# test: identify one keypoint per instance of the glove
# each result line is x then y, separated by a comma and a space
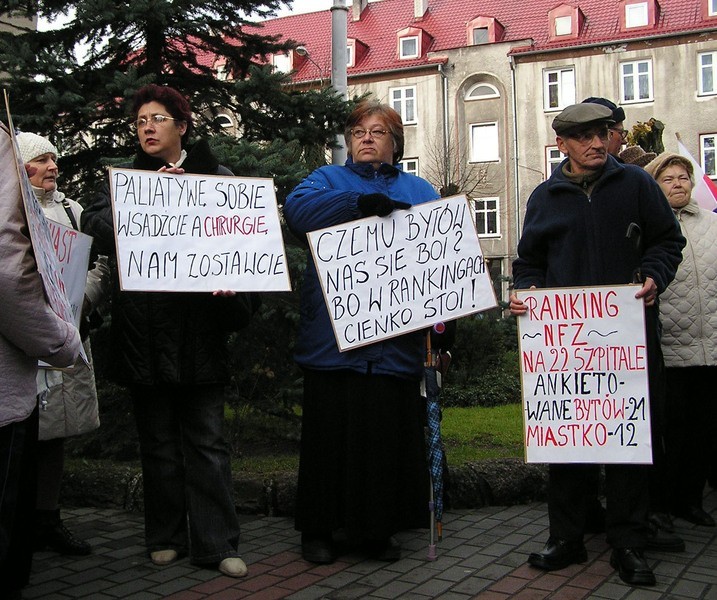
378, 204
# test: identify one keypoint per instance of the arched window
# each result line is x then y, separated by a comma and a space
482, 91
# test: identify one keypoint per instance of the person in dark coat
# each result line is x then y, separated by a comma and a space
362, 469
596, 222
170, 350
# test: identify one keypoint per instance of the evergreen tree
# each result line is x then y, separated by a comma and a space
80, 102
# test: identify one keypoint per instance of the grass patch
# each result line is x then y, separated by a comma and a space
471, 434
266, 465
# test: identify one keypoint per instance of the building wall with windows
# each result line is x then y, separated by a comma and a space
486, 80
649, 79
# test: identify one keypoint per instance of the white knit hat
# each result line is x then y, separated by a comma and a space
33, 145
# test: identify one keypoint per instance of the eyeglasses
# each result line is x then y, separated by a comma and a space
375, 133
621, 132
587, 136
153, 119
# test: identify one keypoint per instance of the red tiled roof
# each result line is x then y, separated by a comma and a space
446, 20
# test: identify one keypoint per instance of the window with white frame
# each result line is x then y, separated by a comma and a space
636, 15
281, 62
482, 91
408, 47
558, 88
712, 8
636, 81
403, 101
480, 35
410, 165
553, 158
707, 66
484, 142
223, 120
349, 56
487, 216
563, 25
708, 150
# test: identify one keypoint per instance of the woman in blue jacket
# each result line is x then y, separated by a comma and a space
362, 468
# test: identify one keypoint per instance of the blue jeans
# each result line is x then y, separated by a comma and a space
186, 468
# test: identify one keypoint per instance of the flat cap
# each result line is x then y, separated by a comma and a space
618, 114
577, 116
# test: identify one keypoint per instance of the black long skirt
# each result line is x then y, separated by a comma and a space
363, 462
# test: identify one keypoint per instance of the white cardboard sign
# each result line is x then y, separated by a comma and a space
387, 276
191, 233
583, 358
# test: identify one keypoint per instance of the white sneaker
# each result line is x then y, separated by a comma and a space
233, 567
163, 557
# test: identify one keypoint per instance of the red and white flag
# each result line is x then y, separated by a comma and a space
705, 191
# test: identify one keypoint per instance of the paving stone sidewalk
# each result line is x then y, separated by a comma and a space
482, 556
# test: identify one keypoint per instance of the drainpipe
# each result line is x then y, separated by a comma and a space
444, 81
516, 176
339, 78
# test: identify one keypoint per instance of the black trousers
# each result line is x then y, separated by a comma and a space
18, 494
691, 431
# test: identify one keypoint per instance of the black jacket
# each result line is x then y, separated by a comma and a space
625, 227
167, 338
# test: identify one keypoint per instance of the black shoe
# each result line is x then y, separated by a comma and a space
50, 532
694, 514
595, 519
558, 554
632, 566
661, 535
386, 550
317, 549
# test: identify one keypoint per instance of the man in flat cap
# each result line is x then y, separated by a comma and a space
596, 222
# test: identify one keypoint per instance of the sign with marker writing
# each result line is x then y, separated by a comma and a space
583, 358
72, 249
192, 233
387, 276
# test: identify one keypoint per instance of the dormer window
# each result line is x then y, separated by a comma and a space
409, 47
563, 25
483, 30
413, 42
480, 36
711, 8
281, 62
350, 55
565, 21
638, 13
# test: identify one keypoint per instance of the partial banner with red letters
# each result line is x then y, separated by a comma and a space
583, 360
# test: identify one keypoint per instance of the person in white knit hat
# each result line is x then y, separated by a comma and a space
68, 399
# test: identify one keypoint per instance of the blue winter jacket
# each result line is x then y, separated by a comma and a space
625, 227
328, 196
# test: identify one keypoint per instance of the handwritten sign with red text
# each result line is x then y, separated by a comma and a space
197, 232
72, 249
583, 359
387, 276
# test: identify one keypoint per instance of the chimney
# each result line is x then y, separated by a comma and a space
358, 6
419, 8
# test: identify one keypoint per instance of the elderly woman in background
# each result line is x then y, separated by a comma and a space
689, 341
362, 466
68, 399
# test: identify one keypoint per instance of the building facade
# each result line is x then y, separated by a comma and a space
478, 84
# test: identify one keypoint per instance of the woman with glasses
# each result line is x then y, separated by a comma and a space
362, 471
170, 350
688, 309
